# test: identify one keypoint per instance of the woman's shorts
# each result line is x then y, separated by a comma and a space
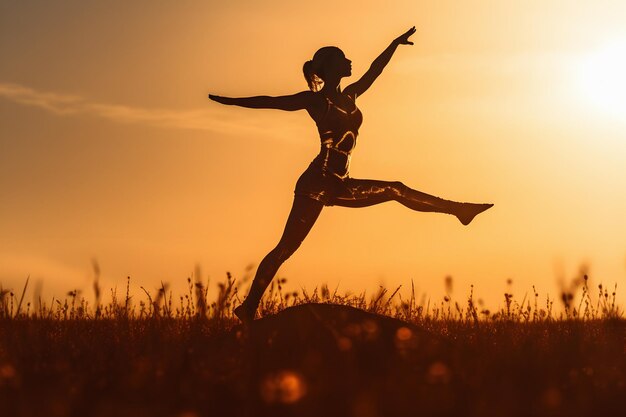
314, 183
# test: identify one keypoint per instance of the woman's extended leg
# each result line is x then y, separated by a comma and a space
364, 193
303, 215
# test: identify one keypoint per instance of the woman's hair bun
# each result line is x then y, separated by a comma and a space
310, 75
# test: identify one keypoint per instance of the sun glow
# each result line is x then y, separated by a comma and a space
602, 76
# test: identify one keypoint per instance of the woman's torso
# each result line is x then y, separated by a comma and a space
338, 129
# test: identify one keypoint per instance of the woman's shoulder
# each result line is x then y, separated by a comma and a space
314, 97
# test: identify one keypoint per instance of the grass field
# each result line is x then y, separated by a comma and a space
311, 354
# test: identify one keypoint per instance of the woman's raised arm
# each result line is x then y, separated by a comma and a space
292, 102
359, 87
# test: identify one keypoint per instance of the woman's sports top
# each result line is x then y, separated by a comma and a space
338, 130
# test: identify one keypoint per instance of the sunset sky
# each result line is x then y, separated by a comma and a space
110, 149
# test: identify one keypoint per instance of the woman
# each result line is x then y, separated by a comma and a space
326, 181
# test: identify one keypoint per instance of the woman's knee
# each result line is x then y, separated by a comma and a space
396, 189
284, 250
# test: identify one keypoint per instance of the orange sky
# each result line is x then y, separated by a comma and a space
109, 148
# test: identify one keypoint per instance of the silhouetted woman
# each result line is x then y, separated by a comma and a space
326, 181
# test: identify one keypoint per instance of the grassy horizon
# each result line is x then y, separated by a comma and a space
575, 303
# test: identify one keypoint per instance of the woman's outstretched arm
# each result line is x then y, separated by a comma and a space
292, 102
378, 65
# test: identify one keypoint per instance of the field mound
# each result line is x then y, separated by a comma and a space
315, 359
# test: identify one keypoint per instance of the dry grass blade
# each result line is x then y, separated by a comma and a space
19, 305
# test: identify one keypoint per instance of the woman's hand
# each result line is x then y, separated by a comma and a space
219, 99
404, 38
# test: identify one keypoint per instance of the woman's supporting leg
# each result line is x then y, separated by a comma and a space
303, 215
364, 193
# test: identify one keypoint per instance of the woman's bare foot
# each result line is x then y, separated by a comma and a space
244, 314
467, 211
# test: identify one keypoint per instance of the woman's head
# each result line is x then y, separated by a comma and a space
328, 63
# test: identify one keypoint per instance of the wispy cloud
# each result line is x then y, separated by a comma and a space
217, 119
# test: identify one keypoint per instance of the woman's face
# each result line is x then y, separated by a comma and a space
339, 64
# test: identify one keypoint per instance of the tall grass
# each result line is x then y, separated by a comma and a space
195, 304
